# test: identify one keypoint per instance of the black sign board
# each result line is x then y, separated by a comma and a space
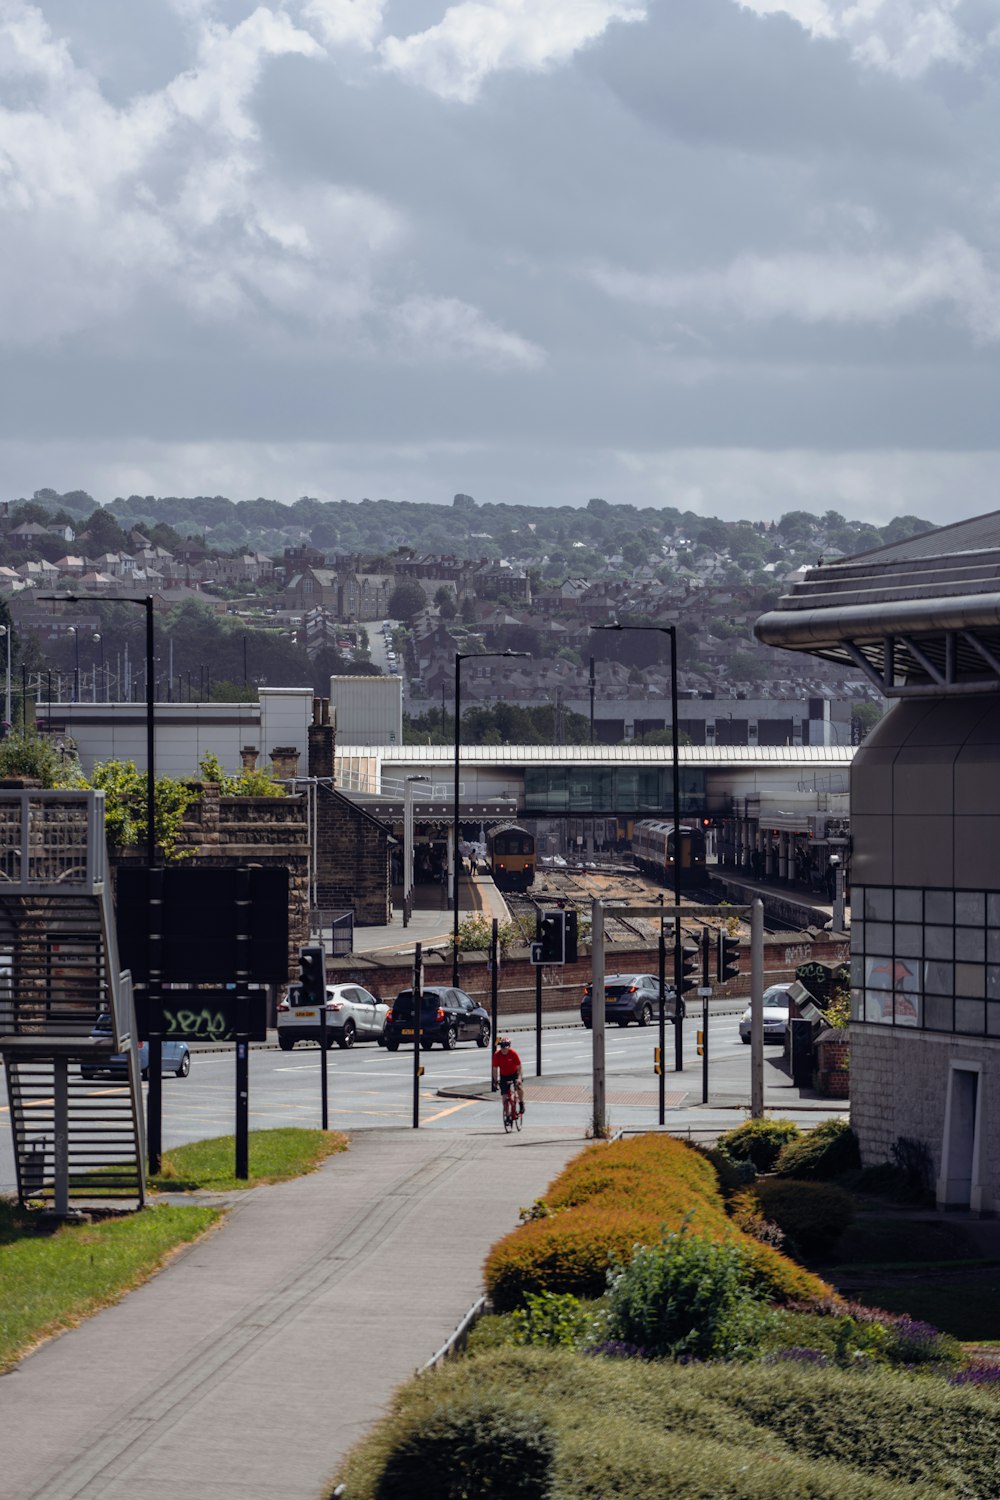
205, 1016
200, 920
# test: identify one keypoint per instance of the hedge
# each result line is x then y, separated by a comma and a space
592, 1427
759, 1141
812, 1215
612, 1197
824, 1152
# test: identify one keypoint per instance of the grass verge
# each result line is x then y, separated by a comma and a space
52, 1282
274, 1156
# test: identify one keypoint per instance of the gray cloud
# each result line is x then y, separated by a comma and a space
585, 247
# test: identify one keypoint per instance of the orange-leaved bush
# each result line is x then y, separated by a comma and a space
613, 1197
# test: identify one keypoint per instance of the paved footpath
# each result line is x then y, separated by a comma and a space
260, 1355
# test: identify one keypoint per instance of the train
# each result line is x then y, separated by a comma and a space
511, 853
653, 850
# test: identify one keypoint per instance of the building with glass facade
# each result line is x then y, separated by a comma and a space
923, 619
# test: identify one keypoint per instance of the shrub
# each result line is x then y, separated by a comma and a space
759, 1141
613, 1197
900, 1427
732, 1174
34, 757
553, 1320
682, 1297
478, 1446
635, 1429
811, 1215
826, 1151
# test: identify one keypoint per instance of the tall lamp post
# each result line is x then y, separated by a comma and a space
408, 845
670, 630
461, 656
74, 632
7, 631
99, 641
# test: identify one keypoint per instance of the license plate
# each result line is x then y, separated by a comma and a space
306, 1015
407, 1031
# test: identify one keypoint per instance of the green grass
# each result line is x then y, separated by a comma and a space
274, 1156
53, 1281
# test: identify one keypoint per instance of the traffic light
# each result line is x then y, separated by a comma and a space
570, 937
727, 957
690, 965
553, 937
312, 976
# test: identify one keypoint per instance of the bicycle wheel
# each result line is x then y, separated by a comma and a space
518, 1120
508, 1123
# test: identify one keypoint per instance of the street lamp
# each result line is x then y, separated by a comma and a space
76, 667
6, 630
144, 602
408, 844
99, 641
461, 656
670, 630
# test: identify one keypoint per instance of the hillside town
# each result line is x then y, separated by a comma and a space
319, 603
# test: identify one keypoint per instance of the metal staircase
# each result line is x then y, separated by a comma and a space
74, 1142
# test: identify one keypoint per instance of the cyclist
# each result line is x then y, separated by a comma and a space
507, 1071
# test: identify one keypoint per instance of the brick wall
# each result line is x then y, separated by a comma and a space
352, 846
899, 1086
562, 986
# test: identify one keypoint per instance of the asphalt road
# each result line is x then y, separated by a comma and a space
369, 1087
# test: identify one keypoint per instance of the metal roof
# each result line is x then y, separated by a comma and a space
603, 755
920, 618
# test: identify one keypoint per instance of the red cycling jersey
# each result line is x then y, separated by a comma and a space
506, 1062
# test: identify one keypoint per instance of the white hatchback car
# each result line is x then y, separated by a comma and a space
352, 1015
775, 1015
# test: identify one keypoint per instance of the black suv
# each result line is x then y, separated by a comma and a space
447, 1015
629, 997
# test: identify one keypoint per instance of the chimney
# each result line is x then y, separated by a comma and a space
321, 741
284, 762
248, 755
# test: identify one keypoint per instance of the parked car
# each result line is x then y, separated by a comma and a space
629, 997
775, 1015
447, 1015
352, 1015
176, 1057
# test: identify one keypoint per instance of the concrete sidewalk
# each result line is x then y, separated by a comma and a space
260, 1355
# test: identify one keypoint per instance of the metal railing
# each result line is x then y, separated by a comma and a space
51, 842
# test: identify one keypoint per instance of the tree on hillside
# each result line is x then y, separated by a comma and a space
103, 533
406, 600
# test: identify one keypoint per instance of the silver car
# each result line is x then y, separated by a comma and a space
775, 1015
353, 1015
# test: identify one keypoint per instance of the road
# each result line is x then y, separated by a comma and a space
369, 1087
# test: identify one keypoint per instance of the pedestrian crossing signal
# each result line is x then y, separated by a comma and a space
657, 1063
701, 1043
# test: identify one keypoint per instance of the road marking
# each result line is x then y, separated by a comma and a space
442, 1112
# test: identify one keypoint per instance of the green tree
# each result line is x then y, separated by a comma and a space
406, 600
103, 533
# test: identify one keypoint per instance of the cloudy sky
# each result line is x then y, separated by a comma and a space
738, 256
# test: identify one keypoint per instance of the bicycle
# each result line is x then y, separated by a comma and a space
513, 1116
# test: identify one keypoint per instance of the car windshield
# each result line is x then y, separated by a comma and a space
403, 1004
